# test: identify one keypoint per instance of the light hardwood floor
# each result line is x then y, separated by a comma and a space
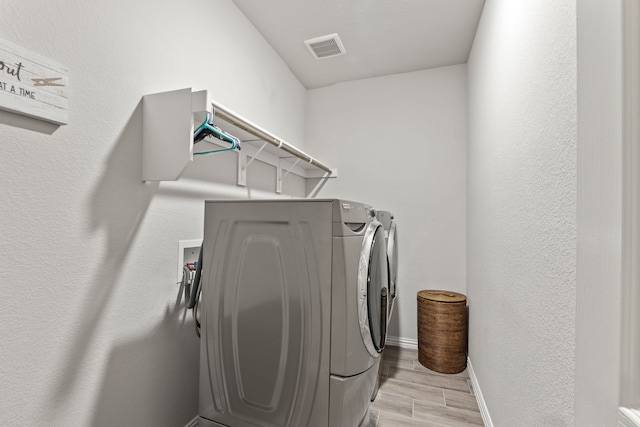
412, 395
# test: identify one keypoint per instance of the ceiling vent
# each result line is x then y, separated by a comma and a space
325, 46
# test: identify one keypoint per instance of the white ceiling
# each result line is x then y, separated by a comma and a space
381, 37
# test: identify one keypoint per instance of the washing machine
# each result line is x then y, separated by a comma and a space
293, 313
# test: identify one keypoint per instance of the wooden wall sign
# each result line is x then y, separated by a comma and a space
33, 85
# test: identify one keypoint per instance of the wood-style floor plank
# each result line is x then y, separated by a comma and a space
423, 392
460, 400
395, 404
412, 395
441, 381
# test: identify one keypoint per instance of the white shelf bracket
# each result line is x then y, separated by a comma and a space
322, 180
242, 168
280, 176
243, 165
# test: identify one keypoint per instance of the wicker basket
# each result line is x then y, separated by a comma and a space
442, 331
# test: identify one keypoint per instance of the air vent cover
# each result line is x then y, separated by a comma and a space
325, 46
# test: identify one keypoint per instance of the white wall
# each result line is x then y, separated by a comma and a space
399, 143
630, 328
91, 331
600, 215
545, 240
522, 200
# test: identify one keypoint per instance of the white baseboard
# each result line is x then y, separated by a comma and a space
402, 342
484, 411
628, 417
193, 422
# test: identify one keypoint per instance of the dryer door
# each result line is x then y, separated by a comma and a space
392, 255
373, 288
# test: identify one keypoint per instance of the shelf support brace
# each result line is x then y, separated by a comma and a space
242, 168
243, 165
280, 176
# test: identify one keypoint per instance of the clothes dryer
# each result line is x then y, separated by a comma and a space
389, 224
293, 313
386, 218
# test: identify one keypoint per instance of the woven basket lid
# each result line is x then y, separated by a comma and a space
442, 296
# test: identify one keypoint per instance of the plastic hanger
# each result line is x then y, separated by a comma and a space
209, 129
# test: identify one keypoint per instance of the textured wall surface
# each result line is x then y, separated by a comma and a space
522, 198
91, 331
399, 143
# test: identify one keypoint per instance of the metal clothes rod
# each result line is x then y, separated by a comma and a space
244, 124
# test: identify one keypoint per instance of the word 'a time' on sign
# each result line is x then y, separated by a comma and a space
33, 85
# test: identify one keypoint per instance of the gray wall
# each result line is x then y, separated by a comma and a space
545, 211
522, 200
92, 334
600, 215
524, 219
399, 143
